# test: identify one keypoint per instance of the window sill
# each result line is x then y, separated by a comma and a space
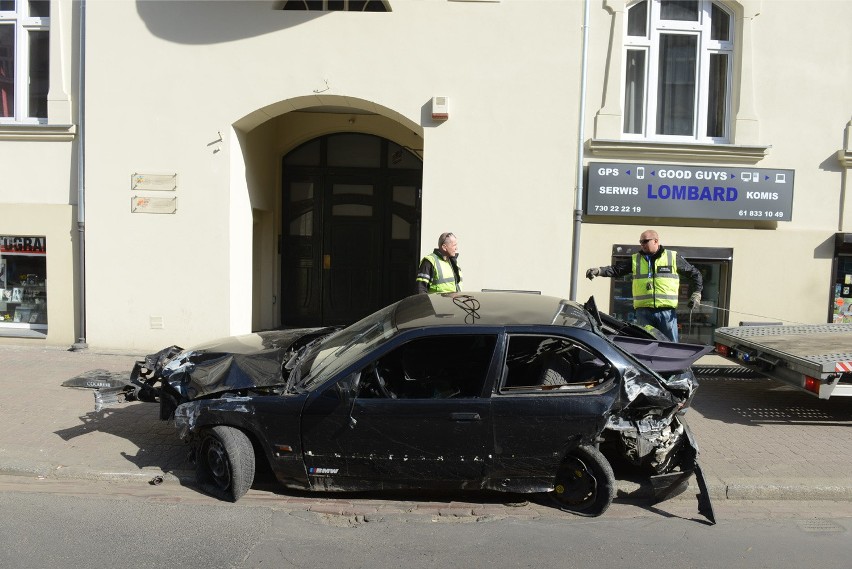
61, 132
642, 149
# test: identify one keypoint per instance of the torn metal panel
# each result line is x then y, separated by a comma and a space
662, 356
186, 415
98, 379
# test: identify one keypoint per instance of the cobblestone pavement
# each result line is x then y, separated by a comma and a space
758, 440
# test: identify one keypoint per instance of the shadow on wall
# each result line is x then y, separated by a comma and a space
211, 22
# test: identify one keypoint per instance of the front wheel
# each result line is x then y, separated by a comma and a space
225, 462
585, 484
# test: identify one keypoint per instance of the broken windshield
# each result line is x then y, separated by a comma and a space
331, 354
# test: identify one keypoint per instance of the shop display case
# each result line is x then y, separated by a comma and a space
24, 303
23, 286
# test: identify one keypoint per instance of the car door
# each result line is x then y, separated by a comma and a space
555, 392
418, 416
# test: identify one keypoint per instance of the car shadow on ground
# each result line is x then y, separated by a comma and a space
759, 400
411, 498
155, 442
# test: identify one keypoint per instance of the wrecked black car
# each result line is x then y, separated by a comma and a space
502, 391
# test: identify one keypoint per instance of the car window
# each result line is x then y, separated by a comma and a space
545, 363
435, 367
335, 352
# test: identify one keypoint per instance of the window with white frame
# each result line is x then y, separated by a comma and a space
677, 78
24, 60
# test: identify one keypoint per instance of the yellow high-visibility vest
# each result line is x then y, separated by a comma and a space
443, 279
657, 286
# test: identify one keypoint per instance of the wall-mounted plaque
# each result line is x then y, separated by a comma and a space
144, 204
154, 182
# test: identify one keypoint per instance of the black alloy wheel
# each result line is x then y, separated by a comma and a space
585, 483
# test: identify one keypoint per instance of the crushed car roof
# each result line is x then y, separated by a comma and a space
488, 309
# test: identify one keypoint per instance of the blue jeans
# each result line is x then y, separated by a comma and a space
663, 319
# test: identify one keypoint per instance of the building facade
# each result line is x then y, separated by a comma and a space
247, 165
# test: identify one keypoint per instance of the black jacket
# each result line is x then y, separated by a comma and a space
427, 269
684, 269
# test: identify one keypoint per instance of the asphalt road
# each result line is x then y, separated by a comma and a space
70, 524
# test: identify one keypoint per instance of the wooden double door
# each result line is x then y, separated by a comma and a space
350, 235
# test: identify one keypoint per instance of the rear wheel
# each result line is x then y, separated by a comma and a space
225, 462
585, 484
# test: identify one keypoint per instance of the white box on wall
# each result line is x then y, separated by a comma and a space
440, 108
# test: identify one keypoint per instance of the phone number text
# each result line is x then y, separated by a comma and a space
619, 208
760, 213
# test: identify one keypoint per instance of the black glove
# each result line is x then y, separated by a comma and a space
592, 273
694, 300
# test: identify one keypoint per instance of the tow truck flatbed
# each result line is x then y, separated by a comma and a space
814, 357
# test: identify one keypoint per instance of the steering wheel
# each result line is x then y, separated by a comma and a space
383, 387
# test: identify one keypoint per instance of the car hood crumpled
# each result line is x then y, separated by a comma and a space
231, 364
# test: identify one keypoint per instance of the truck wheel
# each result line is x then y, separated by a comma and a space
225, 462
584, 484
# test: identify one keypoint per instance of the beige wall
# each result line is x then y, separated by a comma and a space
216, 92
228, 68
500, 172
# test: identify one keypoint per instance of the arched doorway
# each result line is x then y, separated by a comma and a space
351, 228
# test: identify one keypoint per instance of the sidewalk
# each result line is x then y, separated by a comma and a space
758, 439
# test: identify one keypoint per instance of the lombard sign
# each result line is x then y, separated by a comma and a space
660, 190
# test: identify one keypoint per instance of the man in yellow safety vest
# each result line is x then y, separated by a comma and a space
656, 282
439, 271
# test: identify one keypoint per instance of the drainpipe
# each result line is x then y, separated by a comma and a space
81, 344
581, 137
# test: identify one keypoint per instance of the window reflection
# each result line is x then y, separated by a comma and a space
637, 20
682, 10
634, 92
400, 229
717, 95
676, 84
405, 195
357, 150
303, 226
39, 73
720, 25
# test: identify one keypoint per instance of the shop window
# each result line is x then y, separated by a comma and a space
840, 311
695, 326
842, 297
678, 71
24, 60
23, 286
